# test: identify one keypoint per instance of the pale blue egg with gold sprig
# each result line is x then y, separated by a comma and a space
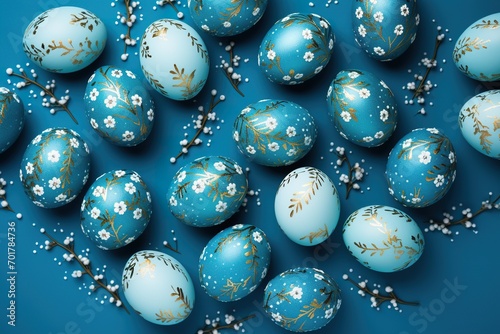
12, 118
234, 262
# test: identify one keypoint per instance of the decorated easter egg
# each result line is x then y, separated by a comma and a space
362, 107
421, 168
226, 17
64, 39
118, 106
274, 132
383, 238
307, 206
158, 287
174, 59
302, 299
234, 262
55, 167
11, 118
296, 48
385, 29
476, 50
479, 121
207, 191
116, 209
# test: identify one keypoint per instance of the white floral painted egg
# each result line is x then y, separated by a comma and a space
55, 167
421, 168
383, 238
362, 107
174, 59
207, 191
302, 299
118, 106
479, 121
296, 48
158, 287
476, 50
274, 132
64, 39
11, 118
307, 206
116, 209
226, 17
234, 262
385, 29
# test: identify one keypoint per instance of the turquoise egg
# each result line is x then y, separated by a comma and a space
118, 106
476, 50
421, 168
64, 39
234, 262
116, 209
274, 132
383, 238
385, 29
296, 48
11, 118
302, 299
158, 287
207, 191
55, 167
362, 108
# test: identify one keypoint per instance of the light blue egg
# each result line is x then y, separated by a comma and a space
383, 238
302, 299
296, 48
476, 50
274, 132
234, 262
362, 107
11, 118
385, 29
421, 168
207, 191
55, 167
158, 287
64, 39
174, 59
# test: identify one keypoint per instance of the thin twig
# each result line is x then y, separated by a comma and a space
218, 327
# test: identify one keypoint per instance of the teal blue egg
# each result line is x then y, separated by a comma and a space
12, 118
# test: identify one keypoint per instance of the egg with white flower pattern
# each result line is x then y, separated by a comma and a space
421, 168
207, 191
296, 48
362, 108
234, 262
11, 118
116, 209
55, 167
302, 299
118, 106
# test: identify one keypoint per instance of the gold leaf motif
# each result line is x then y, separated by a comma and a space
304, 196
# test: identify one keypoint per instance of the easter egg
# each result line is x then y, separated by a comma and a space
307, 206
385, 29
116, 209
174, 59
207, 191
383, 238
64, 39
476, 50
118, 106
302, 299
226, 17
234, 262
362, 108
421, 168
274, 132
55, 167
296, 48
158, 287
11, 118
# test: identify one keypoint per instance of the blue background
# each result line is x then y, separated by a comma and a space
46, 303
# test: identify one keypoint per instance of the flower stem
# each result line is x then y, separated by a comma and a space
217, 327
234, 82
420, 88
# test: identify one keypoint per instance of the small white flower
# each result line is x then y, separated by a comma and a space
198, 186
250, 149
38, 190
424, 157
54, 183
53, 156
298, 76
93, 123
273, 147
416, 200
324, 24
120, 207
384, 115
109, 122
346, 116
330, 90
91, 77
95, 213
221, 206
119, 173
130, 74
61, 198
378, 16
110, 102
74, 142
256, 11
364, 93
379, 134
308, 56
205, 27
434, 131
36, 140
307, 140
271, 123
359, 13
379, 51
353, 75
287, 78
60, 132
257, 236
271, 54
290, 131
236, 136
238, 169
405, 10
128, 136
116, 73
367, 139
331, 42
129, 240
319, 277
451, 156
136, 100
103, 234
417, 19
135, 177
296, 292
172, 201
399, 30
231, 189
138, 213
98, 191
219, 165
130, 188
291, 152
318, 69
276, 317
29, 168
439, 180
227, 24
181, 176
264, 273
407, 143
329, 313
391, 191
151, 115
362, 30
94, 93
307, 34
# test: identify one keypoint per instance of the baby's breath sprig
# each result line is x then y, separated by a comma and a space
230, 322
172, 246
162, 3
128, 19
47, 92
355, 172
229, 68
3, 196
84, 262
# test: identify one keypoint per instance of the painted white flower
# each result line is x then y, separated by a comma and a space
110, 102
307, 34
318, 69
128, 136
290, 131
407, 143
273, 147
38, 190
359, 13
221, 206
257, 236
331, 42
130, 188
53, 156
231, 189
256, 11
60, 132
120, 207
384, 115
138, 213
367, 139
434, 131
116, 73
353, 75
276, 317
416, 200
291, 152
271, 123
271, 54
181, 176
94, 93
264, 273
399, 29
135, 177
250, 149
439, 180
308, 56
330, 90
296, 292
383, 84
227, 24
417, 19
205, 27
364, 93
287, 78
329, 313
103, 234
93, 123
148, 195
129, 240
109, 122
238, 169
286, 18
95, 213
324, 24
151, 115
378, 16
54, 183
307, 140
61, 198
219, 165
198, 186
362, 30
346, 116
451, 156
391, 191
119, 173
379, 134
91, 77
298, 76
74, 142
236, 136
405, 10
424, 157
172, 201
379, 51
130, 74
136, 100
36, 140
99, 191
29, 168
319, 277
